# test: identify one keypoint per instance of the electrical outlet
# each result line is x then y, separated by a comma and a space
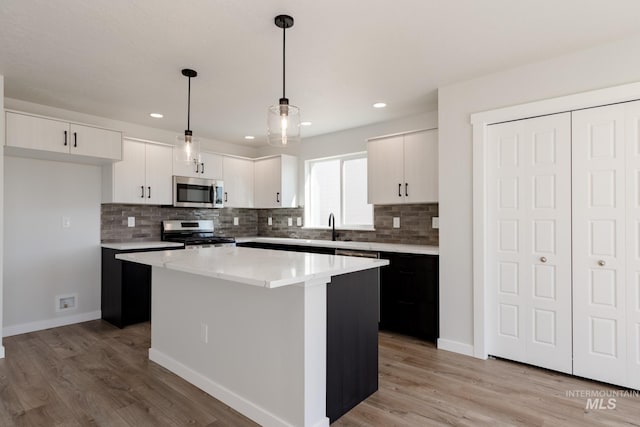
289, 222
204, 333
270, 221
299, 221
435, 222
396, 222
66, 222
236, 221
131, 221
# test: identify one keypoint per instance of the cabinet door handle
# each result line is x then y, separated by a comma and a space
149, 195
202, 168
75, 139
197, 165
543, 259
277, 197
399, 190
142, 191
602, 263
225, 196
65, 138
406, 189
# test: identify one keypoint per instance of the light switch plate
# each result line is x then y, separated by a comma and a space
289, 222
270, 221
66, 222
131, 221
236, 221
435, 222
396, 222
299, 221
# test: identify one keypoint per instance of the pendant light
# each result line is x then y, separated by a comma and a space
190, 150
283, 119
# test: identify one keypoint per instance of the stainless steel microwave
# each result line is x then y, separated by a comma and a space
197, 192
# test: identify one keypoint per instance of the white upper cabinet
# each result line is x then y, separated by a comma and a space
403, 168
143, 176
209, 166
276, 182
49, 135
238, 182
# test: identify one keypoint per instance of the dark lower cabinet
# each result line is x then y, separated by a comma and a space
409, 295
126, 289
352, 340
291, 248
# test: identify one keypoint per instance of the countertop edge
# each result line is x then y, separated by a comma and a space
341, 244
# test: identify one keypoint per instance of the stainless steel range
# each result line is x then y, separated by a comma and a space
194, 234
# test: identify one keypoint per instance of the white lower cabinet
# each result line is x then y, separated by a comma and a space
143, 176
564, 242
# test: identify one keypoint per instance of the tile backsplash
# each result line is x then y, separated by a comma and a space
415, 223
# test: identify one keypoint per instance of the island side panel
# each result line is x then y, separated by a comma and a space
352, 340
244, 345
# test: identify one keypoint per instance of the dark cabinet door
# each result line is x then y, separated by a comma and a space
409, 295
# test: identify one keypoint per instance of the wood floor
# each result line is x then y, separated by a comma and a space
95, 374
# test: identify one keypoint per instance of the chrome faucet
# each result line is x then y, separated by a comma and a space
332, 224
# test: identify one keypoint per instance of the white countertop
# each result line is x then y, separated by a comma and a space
257, 267
363, 246
141, 245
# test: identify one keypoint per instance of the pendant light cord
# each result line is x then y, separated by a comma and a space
284, 32
189, 105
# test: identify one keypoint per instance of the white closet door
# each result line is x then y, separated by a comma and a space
632, 137
599, 329
529, 193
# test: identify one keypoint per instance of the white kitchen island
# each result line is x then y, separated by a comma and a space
249, 326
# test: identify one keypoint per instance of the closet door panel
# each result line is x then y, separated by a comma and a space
633, 243
530, 244
599, 222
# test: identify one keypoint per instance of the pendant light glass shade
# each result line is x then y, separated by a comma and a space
283, 119
188, 146
284, 124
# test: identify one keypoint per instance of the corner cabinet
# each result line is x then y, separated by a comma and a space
209, 166
276, 182
40, 134
403, 168
143, 176
238, 182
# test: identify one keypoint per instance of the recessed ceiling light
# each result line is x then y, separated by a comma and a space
379, 105
305, 123
156, 115
249, 137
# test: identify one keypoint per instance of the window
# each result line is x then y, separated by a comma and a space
338, 185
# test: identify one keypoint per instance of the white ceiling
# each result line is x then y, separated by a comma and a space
121, 59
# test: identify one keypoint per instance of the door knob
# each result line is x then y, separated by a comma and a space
601, 263
543, 259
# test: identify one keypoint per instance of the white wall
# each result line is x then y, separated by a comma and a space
46, 259
349, 141
129, 129
2, 133
598, 67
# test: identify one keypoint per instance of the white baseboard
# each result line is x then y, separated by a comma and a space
257, 413
24, 328
455, 346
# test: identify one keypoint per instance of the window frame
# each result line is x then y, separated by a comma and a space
307, 193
